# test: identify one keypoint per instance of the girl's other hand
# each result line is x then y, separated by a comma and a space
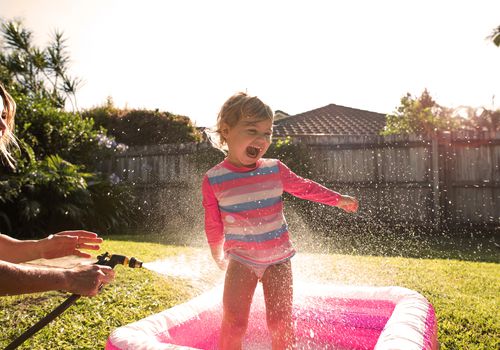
222, 263
218, 256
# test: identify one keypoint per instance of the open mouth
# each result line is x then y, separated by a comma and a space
252, 151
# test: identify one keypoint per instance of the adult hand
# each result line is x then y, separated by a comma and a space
88, 279
349, 204
69, 243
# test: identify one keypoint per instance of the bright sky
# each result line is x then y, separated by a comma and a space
188, 56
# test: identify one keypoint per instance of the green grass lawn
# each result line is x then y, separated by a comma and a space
465, 294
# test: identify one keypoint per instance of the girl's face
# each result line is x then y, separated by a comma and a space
3, 119
248, 140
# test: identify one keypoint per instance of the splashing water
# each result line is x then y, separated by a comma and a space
200, 271
197, 267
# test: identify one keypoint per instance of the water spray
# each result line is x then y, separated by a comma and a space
105, 259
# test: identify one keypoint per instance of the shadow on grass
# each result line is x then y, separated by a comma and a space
359, 236
478, 247
168, 236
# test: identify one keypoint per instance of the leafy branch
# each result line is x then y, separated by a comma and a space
42, 72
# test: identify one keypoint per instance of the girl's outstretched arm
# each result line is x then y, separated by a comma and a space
313, 191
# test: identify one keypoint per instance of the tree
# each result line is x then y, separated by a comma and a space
479, 119
421, 116
39, 72
55, 184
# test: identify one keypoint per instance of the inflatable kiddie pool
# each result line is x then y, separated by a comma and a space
326, 317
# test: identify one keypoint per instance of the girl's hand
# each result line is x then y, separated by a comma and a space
218, 256
222, 263
349, 204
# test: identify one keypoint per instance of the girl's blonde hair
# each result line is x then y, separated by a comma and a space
8, 139
240, 106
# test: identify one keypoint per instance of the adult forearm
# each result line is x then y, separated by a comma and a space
18, 279
14, 250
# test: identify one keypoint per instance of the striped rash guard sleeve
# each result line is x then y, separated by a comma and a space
305, 188
213, 222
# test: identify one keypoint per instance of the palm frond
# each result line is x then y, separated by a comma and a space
57, 56
16, 36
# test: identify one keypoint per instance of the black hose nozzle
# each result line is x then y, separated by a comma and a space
114, 259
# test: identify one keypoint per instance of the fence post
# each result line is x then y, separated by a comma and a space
435, 180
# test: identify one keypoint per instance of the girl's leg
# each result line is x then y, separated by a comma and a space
239, 287
277, 283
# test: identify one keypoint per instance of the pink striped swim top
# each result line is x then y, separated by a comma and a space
244, 209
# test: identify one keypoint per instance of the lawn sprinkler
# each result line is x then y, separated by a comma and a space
105, 259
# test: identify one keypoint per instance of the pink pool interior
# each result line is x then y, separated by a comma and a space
321, 323
325, 316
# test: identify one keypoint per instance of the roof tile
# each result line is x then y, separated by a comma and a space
331, 120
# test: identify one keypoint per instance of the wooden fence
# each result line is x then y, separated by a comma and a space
167, 182
453, 179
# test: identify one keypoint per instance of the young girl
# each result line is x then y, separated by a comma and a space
244, 220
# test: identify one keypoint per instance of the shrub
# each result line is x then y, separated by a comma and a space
53, 186
53, 195
49, 130
144, 127
293, 155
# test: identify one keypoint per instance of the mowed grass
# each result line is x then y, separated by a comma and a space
465, 295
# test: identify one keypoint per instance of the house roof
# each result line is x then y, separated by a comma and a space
331, 120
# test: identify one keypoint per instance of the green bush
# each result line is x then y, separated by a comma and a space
52, 195
293, 155
55, 186
144, 127
49, 130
